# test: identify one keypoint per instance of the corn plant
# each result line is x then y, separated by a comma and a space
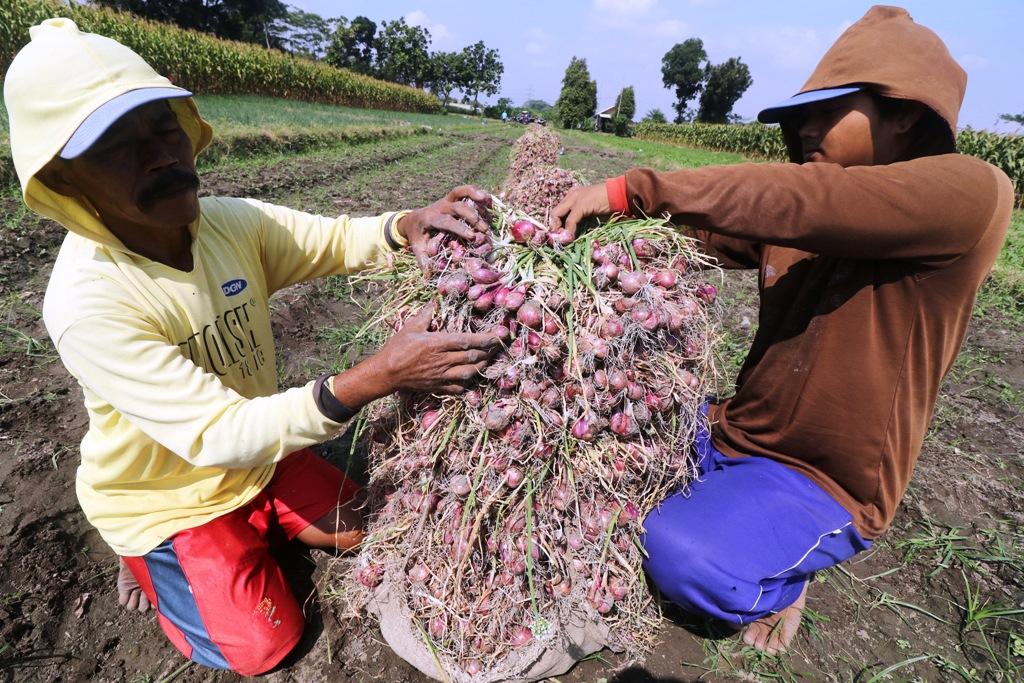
753, 140
765, 142
206, 64
1004, 151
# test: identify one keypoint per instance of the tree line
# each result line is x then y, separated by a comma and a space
685, 69
394, 51
400, 52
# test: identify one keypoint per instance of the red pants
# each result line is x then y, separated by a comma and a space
220, 596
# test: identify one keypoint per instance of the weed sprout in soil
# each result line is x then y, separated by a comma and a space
501, 515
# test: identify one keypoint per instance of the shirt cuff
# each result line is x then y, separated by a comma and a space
327, 403
394, 238
617, 198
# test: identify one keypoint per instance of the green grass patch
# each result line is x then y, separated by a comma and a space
252, 126
1004, 289
17, 342
980, 367
232, 115
252, 144
240, 114
730, 658
345, 344
657, 155
940, 547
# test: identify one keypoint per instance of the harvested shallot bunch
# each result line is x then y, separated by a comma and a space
504, 518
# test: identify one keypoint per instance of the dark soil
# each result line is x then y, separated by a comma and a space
959, 535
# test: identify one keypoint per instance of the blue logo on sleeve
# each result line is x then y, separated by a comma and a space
233, 287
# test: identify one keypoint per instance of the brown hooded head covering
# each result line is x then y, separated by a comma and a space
889, 54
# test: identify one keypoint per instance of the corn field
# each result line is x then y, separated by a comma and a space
765, 142
1004, 151
208, 65
752, 140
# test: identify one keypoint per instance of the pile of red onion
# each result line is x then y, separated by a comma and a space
500, 515
536, 148
540, 189
535, 183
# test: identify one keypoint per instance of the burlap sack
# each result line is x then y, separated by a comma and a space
574, 633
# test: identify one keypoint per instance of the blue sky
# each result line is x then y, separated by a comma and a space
623, 42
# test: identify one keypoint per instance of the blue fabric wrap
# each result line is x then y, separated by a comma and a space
742, 539
176, 602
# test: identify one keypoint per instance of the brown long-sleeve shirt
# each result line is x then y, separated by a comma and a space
867, 278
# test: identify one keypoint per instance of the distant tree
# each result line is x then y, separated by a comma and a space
503, 104
578, 100
725, 83
625, 107
683, 70
304, 33
353, 45
625, 103
1013, 118
447, 73
246, 20
402, 55
483, 71
538, 108
655, 116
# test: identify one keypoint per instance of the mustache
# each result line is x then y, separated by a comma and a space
167, 182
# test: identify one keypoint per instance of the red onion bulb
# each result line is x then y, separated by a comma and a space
521, 636
522, 231
632, 281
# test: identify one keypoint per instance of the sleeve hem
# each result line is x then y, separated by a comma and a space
327, 403
617, 197
395, 239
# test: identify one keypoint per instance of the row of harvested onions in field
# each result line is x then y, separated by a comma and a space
505, 512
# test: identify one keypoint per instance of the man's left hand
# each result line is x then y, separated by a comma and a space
463, 219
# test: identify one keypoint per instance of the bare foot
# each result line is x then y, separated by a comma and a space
774, 634
129, 594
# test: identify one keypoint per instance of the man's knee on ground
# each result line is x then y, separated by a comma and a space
264, 649
689, 571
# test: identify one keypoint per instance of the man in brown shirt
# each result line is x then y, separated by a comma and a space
871, 246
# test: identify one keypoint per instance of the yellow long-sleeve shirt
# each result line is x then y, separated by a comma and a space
177, 368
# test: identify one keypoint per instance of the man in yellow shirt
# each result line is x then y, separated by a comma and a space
194, 460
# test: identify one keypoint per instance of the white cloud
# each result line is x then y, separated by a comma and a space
794, 47
538, 41
842, 28
439, 33
671, 28
973, 61
620, 15
788, 47
624, 6
416, 18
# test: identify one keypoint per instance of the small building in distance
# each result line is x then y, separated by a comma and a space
461, 108
603, 119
